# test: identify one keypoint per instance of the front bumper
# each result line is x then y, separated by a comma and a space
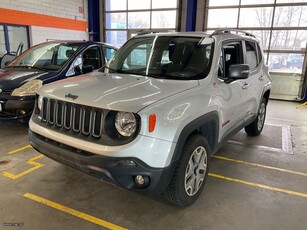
105, 167
15, 108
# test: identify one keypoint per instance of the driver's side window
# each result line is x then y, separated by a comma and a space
91, 56
231, 54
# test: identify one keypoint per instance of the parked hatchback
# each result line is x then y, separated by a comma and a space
45, 63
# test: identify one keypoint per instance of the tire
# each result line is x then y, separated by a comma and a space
255, 128
191, 172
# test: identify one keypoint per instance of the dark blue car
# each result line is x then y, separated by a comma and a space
42, 64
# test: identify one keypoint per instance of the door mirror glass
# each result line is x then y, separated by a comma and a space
239, 71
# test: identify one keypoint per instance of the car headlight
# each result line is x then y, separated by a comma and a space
28, 89
125, 123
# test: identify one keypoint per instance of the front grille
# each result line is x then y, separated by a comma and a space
6, 93
78, 119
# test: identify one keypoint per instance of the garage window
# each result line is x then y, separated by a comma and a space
124, 18
280, 26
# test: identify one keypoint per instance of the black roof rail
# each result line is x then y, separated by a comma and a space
141, 32
228, 31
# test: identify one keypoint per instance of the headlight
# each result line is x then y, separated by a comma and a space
125, 123
40, 102
28, 89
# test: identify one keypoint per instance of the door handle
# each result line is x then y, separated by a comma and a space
245, 86
261, 78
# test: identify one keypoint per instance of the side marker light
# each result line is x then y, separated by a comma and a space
152, 122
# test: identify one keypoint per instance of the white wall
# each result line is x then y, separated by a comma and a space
59, 8
42, 34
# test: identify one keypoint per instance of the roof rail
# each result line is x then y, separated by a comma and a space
228, 31
141, 32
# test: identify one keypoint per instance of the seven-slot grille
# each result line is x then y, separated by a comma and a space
71, 117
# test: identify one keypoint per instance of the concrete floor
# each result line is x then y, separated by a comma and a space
254, 183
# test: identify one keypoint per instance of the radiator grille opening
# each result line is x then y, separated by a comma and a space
59, 114
83, 120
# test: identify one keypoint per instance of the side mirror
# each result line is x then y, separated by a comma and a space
77, 70
87, 69
239, 71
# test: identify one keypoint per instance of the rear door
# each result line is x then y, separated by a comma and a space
255, 82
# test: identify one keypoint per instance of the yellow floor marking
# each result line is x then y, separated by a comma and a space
260, 165
20, 149
259, 185
30, 162
73, 212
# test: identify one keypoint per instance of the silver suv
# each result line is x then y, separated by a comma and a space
165, 104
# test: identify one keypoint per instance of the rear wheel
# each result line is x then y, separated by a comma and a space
255, 128
191, 173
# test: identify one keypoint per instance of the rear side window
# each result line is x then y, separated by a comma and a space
251, 54
259, 53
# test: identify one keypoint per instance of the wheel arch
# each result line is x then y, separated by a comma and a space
266, 95
206, 125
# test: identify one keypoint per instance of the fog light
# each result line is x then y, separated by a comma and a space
141, 181
127, 163
22, 112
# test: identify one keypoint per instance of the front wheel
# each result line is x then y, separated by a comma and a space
255, 128
191, 173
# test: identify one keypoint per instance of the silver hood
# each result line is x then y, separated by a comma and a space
121, 92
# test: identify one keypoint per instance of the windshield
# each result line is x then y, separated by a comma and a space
167, 57
48, 56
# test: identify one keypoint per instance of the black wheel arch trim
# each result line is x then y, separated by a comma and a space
265, 91
195, 126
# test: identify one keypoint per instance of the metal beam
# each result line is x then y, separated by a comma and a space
191, 15
6, 38
93, 20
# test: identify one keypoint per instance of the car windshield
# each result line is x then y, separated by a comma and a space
165, 57
48, 56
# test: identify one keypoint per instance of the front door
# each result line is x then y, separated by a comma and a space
231, 98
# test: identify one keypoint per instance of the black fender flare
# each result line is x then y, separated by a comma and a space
196, 125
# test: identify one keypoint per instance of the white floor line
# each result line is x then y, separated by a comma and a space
286, 141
